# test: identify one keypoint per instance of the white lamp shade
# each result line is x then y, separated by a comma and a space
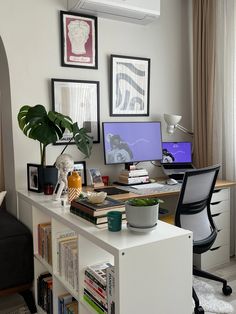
172, 119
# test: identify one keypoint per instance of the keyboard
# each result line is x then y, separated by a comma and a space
153, 188
111, 190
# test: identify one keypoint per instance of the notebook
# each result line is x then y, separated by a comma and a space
177, 158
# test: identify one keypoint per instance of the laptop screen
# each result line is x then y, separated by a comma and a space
177, 152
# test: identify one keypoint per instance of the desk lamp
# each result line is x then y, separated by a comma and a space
172, 122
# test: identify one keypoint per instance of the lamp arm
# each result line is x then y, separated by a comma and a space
183, 129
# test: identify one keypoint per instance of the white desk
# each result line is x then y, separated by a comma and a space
151, 268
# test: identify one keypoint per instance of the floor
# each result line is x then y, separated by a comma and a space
227, 271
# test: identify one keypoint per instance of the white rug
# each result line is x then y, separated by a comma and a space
210, 299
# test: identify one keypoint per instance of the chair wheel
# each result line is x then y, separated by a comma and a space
198, 310
227, 290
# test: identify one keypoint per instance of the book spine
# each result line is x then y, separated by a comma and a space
134, 173
93, 305
134, 180
111, 290
95, 301
93, 287
92, 277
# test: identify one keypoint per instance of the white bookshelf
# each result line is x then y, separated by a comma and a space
151, 268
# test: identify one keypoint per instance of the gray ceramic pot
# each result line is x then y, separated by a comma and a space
142, 216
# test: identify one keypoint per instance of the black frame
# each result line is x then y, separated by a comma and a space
38, 177
122, 76
97, 105
84, 176
93, 21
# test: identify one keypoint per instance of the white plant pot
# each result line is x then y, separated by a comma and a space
142, 216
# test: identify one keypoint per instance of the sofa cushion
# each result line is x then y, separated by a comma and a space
10, 226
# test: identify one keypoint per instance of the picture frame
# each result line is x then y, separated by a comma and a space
78, 40
96, 177
130, 89
34, 177
78, 99
80, 166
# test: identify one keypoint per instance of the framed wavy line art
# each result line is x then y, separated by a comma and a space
130, 79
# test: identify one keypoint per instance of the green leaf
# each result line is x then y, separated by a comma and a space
144, 201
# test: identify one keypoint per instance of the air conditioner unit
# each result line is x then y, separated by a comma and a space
134, 11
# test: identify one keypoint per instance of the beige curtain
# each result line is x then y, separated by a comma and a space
1, 158
204, 12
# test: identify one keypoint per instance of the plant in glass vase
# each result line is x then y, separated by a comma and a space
49, 127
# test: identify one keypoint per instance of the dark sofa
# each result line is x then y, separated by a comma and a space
16, 258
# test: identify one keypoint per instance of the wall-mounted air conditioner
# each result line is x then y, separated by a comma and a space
134, 11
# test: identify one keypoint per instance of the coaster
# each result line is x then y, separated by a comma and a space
140, 229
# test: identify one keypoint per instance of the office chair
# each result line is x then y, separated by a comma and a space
193, 213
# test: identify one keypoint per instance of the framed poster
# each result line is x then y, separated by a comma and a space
80, 166
78, 40
130, 79
80, 101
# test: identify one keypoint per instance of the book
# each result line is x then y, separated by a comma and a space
98, 302
95, 287
108, 203
134, 173
95, 213
111, 290
95, 220
99, 271
88, 300
95, 280
95, 304
64, 300
72, 308
133, 180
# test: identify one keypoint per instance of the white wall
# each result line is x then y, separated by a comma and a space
31, 35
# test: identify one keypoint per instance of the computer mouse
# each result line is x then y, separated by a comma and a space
171, 181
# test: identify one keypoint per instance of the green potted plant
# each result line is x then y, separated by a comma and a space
49, 127
142, 213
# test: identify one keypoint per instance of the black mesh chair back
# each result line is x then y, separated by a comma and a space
193, 209
193, 213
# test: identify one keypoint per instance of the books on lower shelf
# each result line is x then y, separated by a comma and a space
99, 285
67, 304
134, 172
96, 213
67, 257
45, 241
44, 292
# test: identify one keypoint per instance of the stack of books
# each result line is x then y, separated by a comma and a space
96, 213
67, 257
45, 241
45, 299
133, 176
96, 286
67, 304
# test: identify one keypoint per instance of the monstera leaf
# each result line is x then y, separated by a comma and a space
49, 127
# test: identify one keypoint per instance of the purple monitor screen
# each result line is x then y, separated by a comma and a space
127, 142
177, 152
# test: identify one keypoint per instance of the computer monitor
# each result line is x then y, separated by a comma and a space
177, 152
131, 142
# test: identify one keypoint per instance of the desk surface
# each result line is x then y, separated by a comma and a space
220, 184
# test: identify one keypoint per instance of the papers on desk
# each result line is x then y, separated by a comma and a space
148, 186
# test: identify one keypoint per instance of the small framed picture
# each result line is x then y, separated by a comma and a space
34, 177
96, 177
130, 79
78, 40
80, 166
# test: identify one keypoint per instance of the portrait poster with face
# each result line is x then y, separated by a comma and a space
78, 40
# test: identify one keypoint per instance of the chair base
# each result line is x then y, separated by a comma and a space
227, 290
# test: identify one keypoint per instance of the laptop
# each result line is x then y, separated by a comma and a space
177, 158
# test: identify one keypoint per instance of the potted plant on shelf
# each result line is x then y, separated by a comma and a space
142, 213
49, 127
